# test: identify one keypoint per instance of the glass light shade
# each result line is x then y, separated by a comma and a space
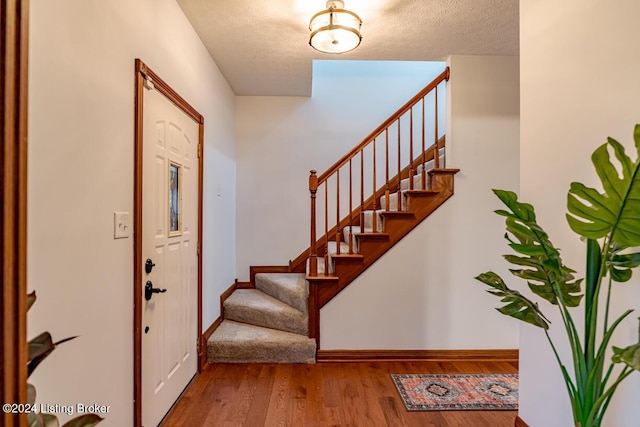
335, 31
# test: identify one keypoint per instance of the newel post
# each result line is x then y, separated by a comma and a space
313, 251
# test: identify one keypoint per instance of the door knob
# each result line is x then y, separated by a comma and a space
149, 290
148, 266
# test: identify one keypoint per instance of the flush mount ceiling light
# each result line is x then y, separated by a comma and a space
335, 30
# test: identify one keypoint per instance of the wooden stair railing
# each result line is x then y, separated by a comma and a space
390, 146
366, 177
372, 167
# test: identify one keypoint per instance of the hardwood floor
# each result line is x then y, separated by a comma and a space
322, 395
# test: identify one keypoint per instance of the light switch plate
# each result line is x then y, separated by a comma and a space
121, 225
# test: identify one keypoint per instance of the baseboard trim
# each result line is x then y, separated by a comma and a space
226, 294
520, 423
211, 329
203, 342
503, 355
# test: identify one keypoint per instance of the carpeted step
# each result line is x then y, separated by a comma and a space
321, 269
393, 202
417, 182
257, 308
368, 221
290, 288
235, 342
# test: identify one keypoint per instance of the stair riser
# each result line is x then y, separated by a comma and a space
295, 323
269, 286
235, 342
260, 353
371, 245
342, 266
398, 225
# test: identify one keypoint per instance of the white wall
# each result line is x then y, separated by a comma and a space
579, 84
421, 294
81, 110
280, 139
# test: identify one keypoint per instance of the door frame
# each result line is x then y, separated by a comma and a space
142, 73
14, 46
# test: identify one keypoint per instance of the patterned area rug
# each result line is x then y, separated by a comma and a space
459, 392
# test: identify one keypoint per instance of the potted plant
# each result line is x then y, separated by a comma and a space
609, 222
39, 348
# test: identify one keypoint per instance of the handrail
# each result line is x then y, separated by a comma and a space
444, 76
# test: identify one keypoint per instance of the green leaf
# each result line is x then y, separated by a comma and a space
517, 305
630, 356
615, 211
620, 265
620, 275
626, 260
523, 211
547, 276
87, 420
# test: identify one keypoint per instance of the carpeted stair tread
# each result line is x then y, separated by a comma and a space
257, 308
290, 288
235, 342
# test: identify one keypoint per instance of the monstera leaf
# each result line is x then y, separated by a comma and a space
620, 265
630, 356
615, 211
540, 265
518, 306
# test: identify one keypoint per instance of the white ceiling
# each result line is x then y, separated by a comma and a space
262, 46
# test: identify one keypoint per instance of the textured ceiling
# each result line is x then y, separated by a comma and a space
262, 47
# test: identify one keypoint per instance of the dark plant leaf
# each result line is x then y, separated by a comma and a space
40, 345
630, 356
49, 420
31, 298
543, 269
517, 305
626, 260
87, 420
34, 419
620, 266
617, 209
31, 394
40, 348
620, 275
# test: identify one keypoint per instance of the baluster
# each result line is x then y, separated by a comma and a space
361, 191
374, 221
386, 191
411, 148
436, 152
338, 212
350, 208
399, 207
326, 228
313, 251
424, 166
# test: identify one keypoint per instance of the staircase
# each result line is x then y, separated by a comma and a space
354, 221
